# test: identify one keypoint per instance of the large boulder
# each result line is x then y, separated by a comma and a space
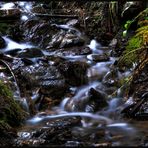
74, 72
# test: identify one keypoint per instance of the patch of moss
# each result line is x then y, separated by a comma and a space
10, 111
4, 90
130, 55
137, 45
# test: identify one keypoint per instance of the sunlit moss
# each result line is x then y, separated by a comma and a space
137, 45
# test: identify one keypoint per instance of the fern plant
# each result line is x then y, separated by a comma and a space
137, 46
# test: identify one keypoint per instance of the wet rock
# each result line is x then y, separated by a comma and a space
132, 9
111, 78
138, 90
38, 9
74, 72
13, 52
73, 23
71, 40
10, 13
57, 133
2, 43
113, 43
17, 64
48, 78
93, 100
98, 58
56, 40
55, 59
30, 53
39, 32
73, 51
64, 39
85, 51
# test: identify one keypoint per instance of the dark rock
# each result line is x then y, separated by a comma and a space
111, 78
30, 53
64, 40
93, 100
132, 9
74, 72
38, 9
98, 58
10, 13
57, 133
56, 40
48, 78
85, 51
13, 52
2, 43
70, 40
55, 60
39, 32
73, 51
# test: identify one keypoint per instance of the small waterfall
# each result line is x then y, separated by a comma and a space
13, 45
95, 46
7, 5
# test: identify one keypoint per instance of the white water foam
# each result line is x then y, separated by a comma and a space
13, 45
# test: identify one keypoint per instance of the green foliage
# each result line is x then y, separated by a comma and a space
4, 90
130, 55
127, 24
137, 45
142, 18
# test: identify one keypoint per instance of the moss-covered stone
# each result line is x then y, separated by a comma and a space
11, 114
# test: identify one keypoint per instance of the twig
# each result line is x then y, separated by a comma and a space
46, 16
7, 65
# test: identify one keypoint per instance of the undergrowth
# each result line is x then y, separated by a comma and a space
136, 49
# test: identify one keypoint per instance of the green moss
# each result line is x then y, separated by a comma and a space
137, 45
130, 55
4, 90
10, 111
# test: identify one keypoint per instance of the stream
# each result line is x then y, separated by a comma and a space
76, 95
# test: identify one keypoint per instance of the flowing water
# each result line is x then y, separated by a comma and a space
109, 117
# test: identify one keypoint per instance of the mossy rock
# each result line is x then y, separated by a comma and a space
11, 114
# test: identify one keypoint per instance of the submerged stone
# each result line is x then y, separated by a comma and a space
98, 58
30, 53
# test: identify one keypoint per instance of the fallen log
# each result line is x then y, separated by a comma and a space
47, 16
